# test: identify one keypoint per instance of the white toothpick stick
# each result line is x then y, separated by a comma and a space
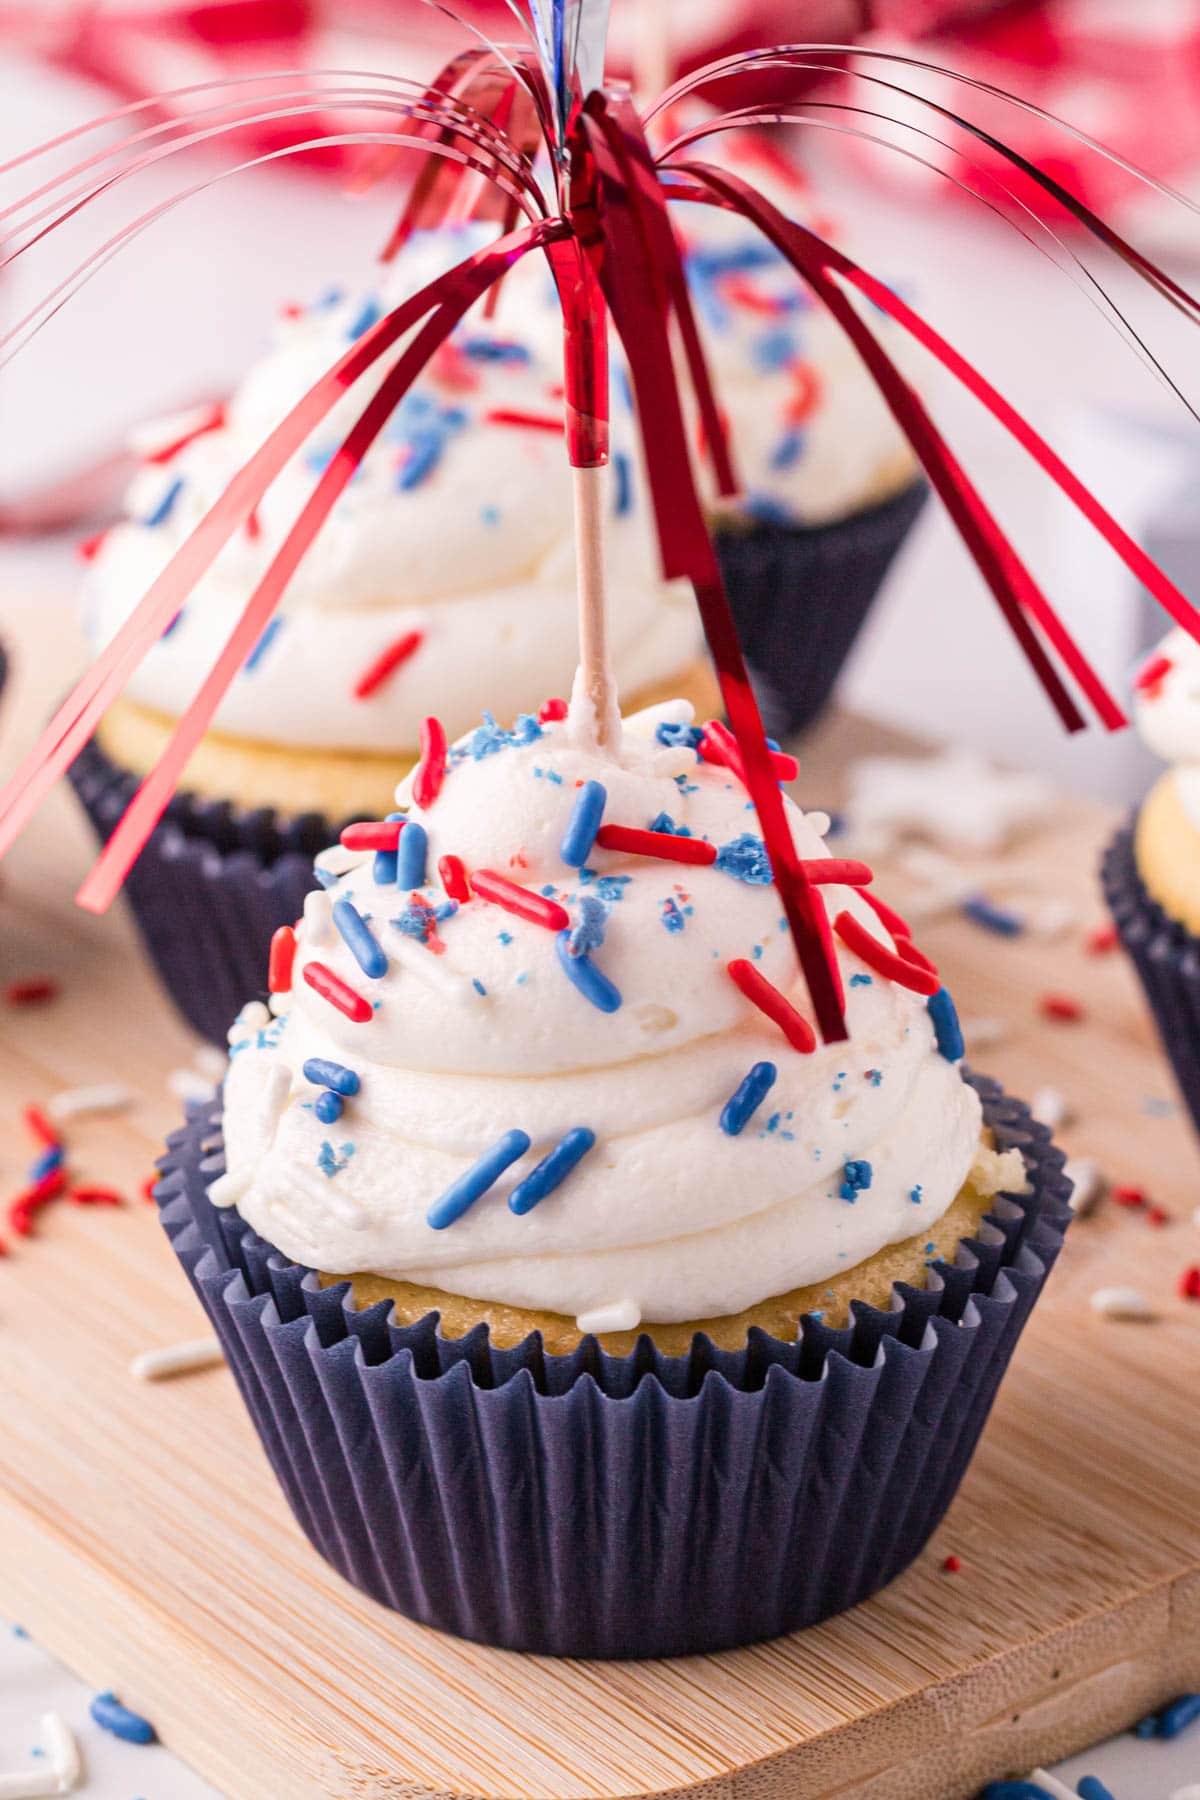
595, 684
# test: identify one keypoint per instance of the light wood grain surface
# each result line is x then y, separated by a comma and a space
144, 1540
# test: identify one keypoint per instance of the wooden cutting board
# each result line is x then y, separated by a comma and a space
143, 1539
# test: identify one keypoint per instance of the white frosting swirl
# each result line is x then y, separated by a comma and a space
1167, 712
477, 554
488, 1034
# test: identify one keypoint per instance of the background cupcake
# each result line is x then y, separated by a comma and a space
831, 485
1151, 871
544, 1101
443, 578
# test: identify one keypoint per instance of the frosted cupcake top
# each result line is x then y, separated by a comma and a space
443, 580
1167, 712
563, 1092
812, 439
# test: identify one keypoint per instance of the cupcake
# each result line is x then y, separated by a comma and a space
1151, 870
830, 484
443, 579
583, 1302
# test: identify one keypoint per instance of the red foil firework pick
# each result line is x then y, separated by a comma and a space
603, 221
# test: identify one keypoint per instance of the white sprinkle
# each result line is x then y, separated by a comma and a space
820, 822
1051, 1108
279, 1004
58, 1741
1122, 1303
1089, 1185
619, 1315
979, 1033
429, 968
1052, 1785
318, 916
252, 1017
275, 1095
1052, 918
186, 1084
211, 1062
338, 860
80, 1102
228, 1189
176, 1359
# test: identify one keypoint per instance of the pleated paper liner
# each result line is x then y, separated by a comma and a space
211, 887
1166, 956
598, 1506
800, 595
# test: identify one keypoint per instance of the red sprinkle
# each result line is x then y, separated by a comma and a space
372, 834
90, 547
147, 1188
213, 419
1128, 1196
454, 878
1101, 940
253, 525
898, 926
22, 1209
665, 845
40, 1126
1060, 1006
523, 902
905, 965
776, 1006
806, 386
550, 710
387, 663
30, 993
1150, 677
509, 415
1157, 1215
952, 1565
339, 993
431, 770
740, 292
1189, 1283
719, 746
95, 1196
282, 959
822, 870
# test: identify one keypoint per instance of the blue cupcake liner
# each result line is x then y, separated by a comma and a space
800, 595
600, 1506
209, 890
1166, 956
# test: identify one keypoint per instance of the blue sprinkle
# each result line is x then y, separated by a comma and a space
1092, 1788
485, 349
411, 856
946, 1027
623, 474
490, 515
161, 512
588, 934
664, 822
583, 823
328, 1107
678, 737
875, 1077
746, 859
915, 1194
505, 937
745, 1101
478, 985
425, 453
358, 937
324, 877
327, 1161
861, 980
108, 1713
417, 920
583, 974
552, 1171
383, 869
1014, 1790
608, 887
773, 350
1172, 1719
51, 1158
788, 450
487, 738
671, 917
469, 1188
18, 1631
331, 297
620, 377
274, 627
368, 314
766, 511
979, 909
857, 1176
